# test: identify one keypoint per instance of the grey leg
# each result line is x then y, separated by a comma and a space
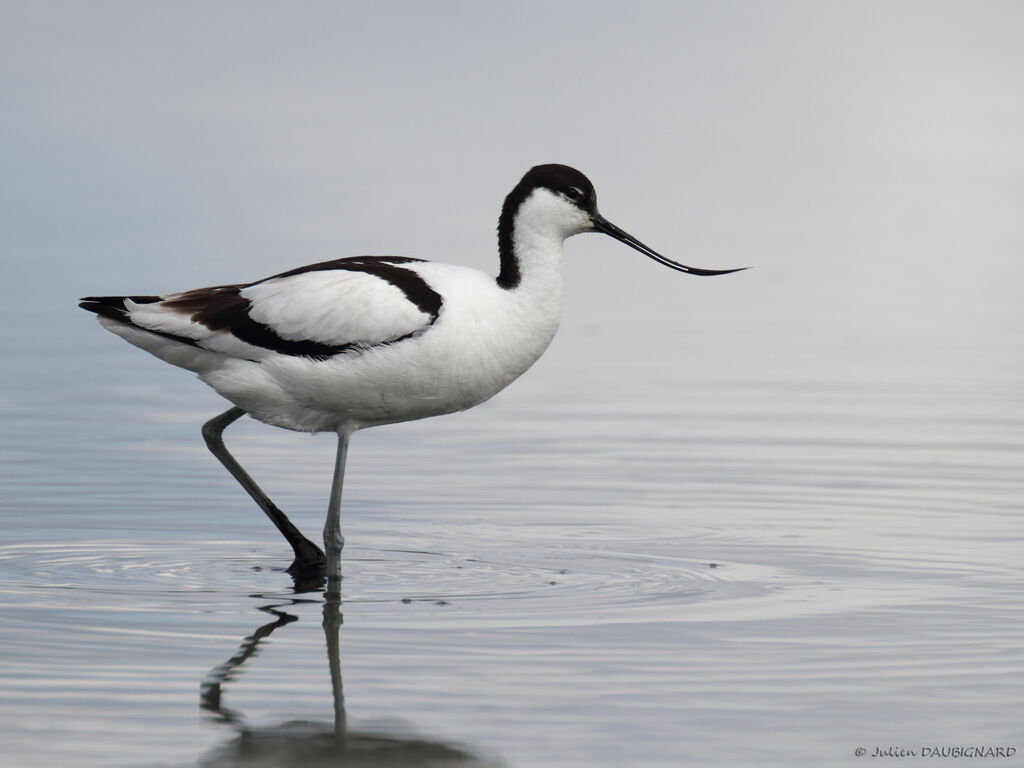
333, 540
307, 554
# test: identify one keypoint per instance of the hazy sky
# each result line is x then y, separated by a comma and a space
865, 157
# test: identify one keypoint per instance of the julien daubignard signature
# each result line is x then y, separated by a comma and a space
936, 751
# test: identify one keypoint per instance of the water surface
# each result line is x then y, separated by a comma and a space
767, 572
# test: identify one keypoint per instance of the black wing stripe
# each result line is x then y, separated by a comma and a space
260, 335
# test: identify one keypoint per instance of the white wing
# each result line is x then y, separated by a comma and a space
316, 311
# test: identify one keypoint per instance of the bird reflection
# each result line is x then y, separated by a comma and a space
312, 744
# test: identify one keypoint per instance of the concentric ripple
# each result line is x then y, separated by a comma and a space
537, 583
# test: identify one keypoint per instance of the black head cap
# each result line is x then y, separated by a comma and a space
561, 179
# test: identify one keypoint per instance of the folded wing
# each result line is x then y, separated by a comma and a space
317, 311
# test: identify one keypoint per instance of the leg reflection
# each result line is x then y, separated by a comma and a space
312, 744
332, 629
210, 698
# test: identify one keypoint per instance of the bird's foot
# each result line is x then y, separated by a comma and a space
309, 565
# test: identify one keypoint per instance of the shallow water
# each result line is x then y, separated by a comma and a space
770, 572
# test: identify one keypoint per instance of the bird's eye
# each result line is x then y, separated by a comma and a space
575, 194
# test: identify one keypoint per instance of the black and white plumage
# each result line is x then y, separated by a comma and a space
359, 342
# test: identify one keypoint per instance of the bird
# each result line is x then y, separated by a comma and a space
364, 341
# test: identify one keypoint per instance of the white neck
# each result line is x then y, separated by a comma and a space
540, 226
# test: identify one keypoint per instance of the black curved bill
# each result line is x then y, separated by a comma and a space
601, 224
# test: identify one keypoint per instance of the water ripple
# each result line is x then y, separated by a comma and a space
543, 582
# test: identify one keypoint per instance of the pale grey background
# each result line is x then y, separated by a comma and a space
865, 157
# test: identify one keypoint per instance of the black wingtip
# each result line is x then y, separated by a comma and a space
112, 306
104, 306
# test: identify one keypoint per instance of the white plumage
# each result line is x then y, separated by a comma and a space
359, 342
